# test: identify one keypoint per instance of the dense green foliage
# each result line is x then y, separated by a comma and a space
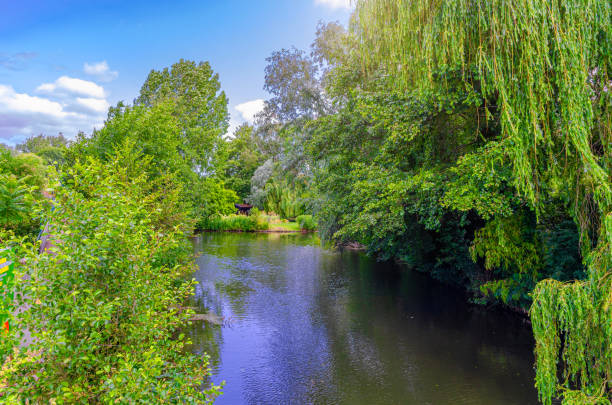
243, 223
243, 158
178, 121
22, 178
192, 95
104, 305
470, 140
51, 148
306, 222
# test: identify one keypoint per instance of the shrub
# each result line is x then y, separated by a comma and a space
104, 306
306, 222
22, 177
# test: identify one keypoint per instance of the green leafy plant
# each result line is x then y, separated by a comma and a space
104, 305
234, 222
306, 222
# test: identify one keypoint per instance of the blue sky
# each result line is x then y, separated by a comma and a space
63, 62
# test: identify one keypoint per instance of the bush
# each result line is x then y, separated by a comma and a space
104, 307
22, 177
306, 222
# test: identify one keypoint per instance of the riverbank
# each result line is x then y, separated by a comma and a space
258, 222
254, 231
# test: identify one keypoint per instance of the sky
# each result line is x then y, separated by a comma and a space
64, 62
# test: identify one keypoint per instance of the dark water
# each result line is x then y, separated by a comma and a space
311, 326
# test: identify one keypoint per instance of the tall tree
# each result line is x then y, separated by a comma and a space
293, 79
179, 121
198, 103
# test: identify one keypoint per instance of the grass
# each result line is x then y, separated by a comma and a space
235, 223
257, 221
285, 226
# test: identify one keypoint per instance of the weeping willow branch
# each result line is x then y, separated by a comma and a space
546, 64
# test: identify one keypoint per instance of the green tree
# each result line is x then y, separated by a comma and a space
194, 92
244, 157
22, 178
26, 166
178, 121
50, 148
293, 79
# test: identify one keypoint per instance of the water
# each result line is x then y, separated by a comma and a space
310, 326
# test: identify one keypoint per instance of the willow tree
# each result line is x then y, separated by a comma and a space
546, 64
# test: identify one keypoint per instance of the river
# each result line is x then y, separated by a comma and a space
306, 325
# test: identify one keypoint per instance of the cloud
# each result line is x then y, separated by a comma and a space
249, 109
100, 71
244, 112
94, 105
334, 3
16, 61
26, 104
65, 86
23, 115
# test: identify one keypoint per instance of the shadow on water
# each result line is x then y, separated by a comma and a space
307, 325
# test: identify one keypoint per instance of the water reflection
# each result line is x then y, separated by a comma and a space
308, 325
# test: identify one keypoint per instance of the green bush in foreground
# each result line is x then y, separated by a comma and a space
306, 222
104, 305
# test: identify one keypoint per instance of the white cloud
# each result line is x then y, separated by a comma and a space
101, 71
95, 105
249, 109
244, 112
25, 104
70, 86
23, 115
334, 3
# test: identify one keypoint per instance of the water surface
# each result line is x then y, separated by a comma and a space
307, 325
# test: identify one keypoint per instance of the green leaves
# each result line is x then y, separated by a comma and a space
102, 307
542, 69
15, 201
178, 123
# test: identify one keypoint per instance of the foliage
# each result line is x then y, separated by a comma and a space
210, 199
543, 69
50, 148
235, 222
178, 121
306, 222
26, 166
293, 80
193, 92
15, 202
244, 157
155, 131
258, 183
283, 200
22, 178
103, 307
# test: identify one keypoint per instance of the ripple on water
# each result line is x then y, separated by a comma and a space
314, 326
